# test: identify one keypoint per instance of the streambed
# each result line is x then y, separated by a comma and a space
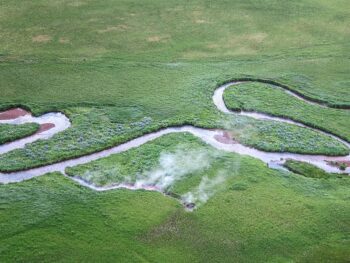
57, 122
50, 124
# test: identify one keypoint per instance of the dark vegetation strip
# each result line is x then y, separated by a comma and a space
249, 106
37, 109
118, 141
81, 141
10, 132
286, 87
266, 136
309, 170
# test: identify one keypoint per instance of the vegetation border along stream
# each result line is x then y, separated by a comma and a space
5, 177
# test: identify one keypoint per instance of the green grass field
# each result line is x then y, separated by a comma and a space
261, 215
123, 68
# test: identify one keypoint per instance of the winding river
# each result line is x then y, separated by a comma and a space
215, 138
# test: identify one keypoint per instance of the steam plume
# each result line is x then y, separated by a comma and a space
174, 166
206, 189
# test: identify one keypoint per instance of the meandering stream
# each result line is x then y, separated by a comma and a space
215, 138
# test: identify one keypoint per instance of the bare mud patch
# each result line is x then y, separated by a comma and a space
225, 138
63, 40
41, 39
13, 114
45, 127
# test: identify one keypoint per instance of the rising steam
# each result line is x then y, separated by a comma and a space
206, 189
174, 166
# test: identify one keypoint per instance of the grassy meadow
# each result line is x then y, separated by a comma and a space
123, 68
261, 215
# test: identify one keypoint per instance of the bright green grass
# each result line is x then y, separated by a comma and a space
274, 101
167, 88
176, 28
306, 169
158, 30
54, 63
163, 59
260, 215
9, 133
111, 52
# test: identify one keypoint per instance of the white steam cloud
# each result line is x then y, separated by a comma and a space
206, 189
174, 166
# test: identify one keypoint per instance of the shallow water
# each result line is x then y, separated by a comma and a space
273, 160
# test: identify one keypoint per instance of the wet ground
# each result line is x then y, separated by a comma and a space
53, 123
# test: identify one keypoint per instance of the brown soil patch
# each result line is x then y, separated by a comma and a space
225, 138
45, 127
41, 38
63, 40
154, 39
339, 163
12, 114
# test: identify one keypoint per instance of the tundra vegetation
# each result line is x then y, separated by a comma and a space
95, 129
307, 169
9, 132
182, 158
275, 101
120, 69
